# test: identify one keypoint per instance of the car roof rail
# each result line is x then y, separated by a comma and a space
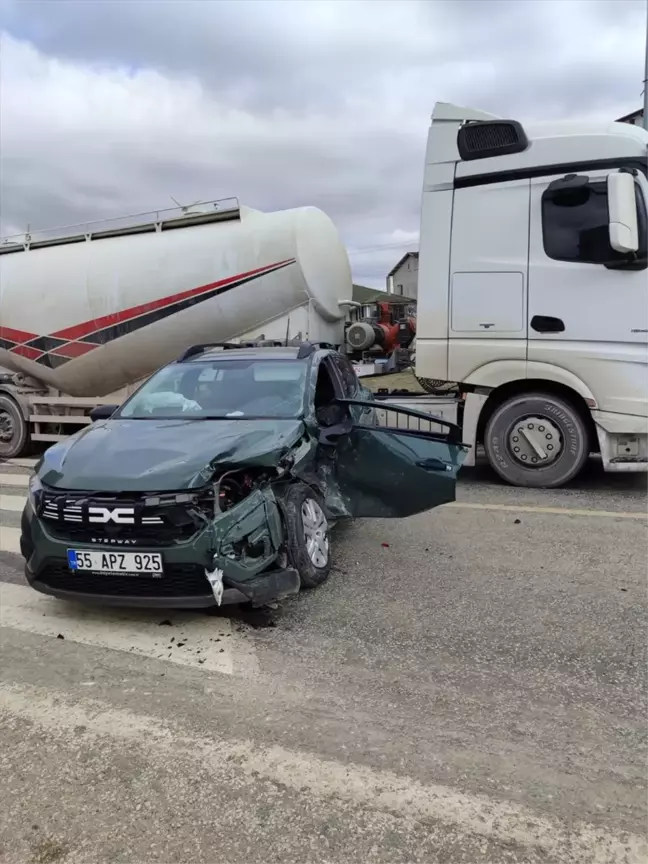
194, 350
308, 348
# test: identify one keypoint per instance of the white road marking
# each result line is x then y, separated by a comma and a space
20, 462
198, 640
558, 511
9, 539
14, 503
361, 786
17, 480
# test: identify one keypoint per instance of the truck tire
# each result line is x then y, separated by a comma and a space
537, 440
14, 432
307, 534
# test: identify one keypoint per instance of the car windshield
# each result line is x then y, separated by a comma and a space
221, 389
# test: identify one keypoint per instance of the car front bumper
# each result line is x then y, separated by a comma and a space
194, 601
184, 583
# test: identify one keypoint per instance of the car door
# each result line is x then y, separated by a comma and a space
397, 469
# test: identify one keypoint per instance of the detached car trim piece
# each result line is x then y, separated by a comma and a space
223, 472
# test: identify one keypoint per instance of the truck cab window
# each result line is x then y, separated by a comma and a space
575, 224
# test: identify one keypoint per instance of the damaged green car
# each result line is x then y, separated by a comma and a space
218, 480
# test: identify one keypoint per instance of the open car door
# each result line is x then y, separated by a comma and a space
398, 469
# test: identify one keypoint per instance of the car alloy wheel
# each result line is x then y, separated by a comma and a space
315, 526
307, 541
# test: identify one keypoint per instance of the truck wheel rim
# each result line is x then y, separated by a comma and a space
535, 442
7, 430
315, 533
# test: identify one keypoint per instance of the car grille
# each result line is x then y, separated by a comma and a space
179, 580
77, 517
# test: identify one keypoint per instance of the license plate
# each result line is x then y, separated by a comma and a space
105, 561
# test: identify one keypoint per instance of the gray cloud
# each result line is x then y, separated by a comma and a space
111, 106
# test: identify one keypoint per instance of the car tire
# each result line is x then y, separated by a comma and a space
554, 423
307, 534
14, 432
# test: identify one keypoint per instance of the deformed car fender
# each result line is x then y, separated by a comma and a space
253, 525
247, 538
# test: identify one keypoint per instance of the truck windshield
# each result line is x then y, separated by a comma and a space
221, 389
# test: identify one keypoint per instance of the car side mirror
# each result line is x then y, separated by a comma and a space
102, 412
622, 209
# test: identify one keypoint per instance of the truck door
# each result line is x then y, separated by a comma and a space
488, 275
588, 305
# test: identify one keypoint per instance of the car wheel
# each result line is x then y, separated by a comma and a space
537, 440
14, 434
307, 535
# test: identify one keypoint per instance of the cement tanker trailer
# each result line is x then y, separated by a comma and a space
87, 313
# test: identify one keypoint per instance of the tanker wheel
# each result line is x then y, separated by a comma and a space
538, 440
14, 433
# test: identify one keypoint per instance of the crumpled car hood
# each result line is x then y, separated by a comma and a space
163, 455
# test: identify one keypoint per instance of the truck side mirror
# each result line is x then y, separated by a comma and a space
102, 412
622, 209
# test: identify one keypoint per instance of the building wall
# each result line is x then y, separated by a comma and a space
635, 119
405, 279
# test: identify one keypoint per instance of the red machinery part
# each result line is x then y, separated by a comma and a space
381, 331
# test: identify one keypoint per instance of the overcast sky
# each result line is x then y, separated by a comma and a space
110, 107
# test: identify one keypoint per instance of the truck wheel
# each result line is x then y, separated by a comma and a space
536, 439
14, 434
307, 535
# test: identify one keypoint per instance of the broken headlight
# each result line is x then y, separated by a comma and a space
229, 492
35, 493
234, 486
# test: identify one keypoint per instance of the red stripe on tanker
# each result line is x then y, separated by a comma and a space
26, 351
17, 336
79, 331
44, 349
71, 350
110, 327
115, 307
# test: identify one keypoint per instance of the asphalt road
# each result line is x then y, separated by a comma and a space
469, 686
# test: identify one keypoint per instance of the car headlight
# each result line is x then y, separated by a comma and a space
35, 493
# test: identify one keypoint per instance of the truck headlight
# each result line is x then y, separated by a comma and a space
35, 493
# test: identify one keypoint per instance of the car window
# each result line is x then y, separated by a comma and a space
346, 374
222, 389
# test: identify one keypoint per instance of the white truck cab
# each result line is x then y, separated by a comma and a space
533, 290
